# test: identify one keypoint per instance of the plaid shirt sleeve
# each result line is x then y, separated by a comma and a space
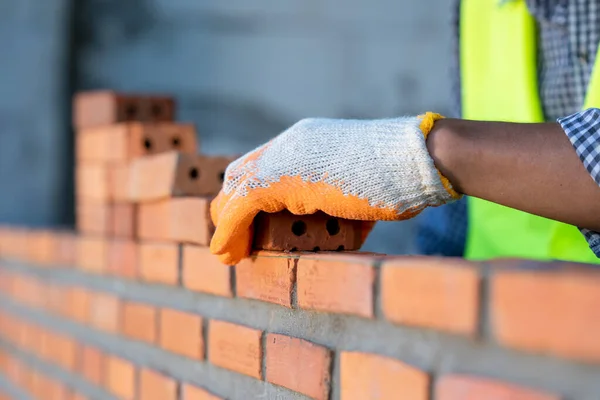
583, 130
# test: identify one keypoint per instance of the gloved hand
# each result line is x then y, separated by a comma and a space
367, 170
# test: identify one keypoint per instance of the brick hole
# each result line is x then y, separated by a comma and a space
176, 142
298, 228
147, 144
294, 249
131, 111
333, 226
194, 173
317, 248
156, 109
340, 248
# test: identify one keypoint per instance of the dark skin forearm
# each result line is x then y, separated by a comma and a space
530, 167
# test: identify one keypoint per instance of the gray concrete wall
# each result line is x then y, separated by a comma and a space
242, 70
34, 137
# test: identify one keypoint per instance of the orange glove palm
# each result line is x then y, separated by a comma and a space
364, 170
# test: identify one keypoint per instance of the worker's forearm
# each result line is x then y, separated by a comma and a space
530, 167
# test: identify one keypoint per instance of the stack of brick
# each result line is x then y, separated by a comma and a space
169, 322
112, 130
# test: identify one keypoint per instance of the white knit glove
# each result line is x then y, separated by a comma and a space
355, 169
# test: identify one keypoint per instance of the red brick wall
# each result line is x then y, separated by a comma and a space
320, 325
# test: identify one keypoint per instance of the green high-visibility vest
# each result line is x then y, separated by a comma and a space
499, 83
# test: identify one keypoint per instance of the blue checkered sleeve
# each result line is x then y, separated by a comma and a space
583, 130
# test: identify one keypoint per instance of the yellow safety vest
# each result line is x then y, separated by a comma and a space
499, 83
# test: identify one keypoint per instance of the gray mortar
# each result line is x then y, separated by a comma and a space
435, 352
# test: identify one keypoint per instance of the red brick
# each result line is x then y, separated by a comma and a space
55, 298
181, 333
6, 282
9, 327
325, 282
266, 276
555, 312
123, 220
91, 182
235, 347
285, 231
92, 254
369, 376
298, 365
55, 390
64, 351
16, 245
35, 383
159, 262
156, 386
77, 304
122, 142
202, 272
92, 365
184, 219
33, 339
105, 312
93, 146
66, 248
431, 293
93, 217
120, 377
16, 371
29, 291
176, 174
190, 392
41, 250
118, 182
122, 258
463, 387
47, 347
101, 108
140, 321
138, 140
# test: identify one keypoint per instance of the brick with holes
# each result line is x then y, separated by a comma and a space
174, 174
105, 107
284, 231
126, 141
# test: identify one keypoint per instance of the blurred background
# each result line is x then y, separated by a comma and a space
241, 70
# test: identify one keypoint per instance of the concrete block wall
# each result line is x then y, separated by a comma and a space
281, 326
